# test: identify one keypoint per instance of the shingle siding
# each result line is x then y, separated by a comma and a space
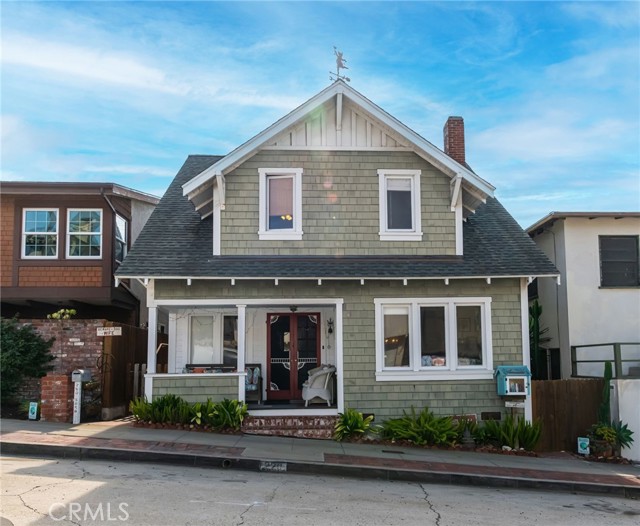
340, 206
194, 389
361, 390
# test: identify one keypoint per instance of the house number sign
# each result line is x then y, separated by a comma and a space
109, 331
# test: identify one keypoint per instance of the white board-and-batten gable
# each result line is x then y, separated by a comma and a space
337, 118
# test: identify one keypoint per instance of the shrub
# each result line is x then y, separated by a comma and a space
421, 429
229, 414
623, 434
351, 423
140, 409
24, 354
513, 433
203, 412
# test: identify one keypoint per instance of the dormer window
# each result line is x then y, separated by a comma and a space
280, 203
400, 218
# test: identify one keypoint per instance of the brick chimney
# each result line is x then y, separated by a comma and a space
454, 139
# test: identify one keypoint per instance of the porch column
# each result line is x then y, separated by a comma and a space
152, 344
242, 315
339, 358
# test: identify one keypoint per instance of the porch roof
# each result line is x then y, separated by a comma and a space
176, 243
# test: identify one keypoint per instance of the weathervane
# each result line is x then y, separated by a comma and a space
340, 64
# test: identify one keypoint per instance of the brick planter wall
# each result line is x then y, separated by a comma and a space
57, 398
76, 346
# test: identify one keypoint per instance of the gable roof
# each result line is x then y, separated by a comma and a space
176, 243
477, 189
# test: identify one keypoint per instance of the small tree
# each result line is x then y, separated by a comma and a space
24, 353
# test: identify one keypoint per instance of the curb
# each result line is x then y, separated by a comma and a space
316, 468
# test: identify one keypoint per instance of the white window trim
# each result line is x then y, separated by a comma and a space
69, 233
24, 234
217, 328
295, 233
387, 234
452, 371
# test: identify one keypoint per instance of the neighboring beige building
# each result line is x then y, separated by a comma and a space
598, 298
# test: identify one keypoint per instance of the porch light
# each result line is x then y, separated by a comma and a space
330, 326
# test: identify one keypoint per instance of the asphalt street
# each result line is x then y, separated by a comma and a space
58, 491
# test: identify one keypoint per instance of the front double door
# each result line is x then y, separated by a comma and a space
293, 348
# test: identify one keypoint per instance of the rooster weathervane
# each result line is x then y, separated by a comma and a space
340, 64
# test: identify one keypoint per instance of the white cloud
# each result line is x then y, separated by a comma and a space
550, 135
115, 170
98, 65
613, 14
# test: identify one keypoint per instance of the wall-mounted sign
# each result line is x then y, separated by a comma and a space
514, 403
109, 331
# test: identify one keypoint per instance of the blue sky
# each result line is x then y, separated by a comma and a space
123, 92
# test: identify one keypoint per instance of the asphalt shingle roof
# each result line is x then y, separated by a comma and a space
175, 242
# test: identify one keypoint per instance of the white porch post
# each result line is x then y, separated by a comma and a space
152, 343
242, 323
339, 358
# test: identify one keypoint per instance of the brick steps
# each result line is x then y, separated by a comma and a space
320, 427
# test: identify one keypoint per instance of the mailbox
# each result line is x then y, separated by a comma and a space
81, 375
513, 380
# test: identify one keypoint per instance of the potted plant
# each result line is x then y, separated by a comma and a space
603, 437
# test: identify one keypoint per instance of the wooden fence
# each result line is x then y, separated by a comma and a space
124, 364
567, 408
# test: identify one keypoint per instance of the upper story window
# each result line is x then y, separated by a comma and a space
121, 238
619, 264
433, 339
84, 233
399, 192
40, 233
280, 203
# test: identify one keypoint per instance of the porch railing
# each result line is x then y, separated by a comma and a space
618, 353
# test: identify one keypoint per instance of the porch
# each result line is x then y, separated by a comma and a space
257, 351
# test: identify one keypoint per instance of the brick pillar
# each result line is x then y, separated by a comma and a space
57, 398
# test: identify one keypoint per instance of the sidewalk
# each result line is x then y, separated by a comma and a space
120, 440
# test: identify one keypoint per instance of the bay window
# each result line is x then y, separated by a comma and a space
433, 338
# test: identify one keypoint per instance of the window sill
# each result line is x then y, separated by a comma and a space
413, 376
619, 287
280, 236
397, 236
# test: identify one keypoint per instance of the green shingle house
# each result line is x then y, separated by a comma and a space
337, 238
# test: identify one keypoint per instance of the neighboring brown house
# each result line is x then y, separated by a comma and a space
60, 244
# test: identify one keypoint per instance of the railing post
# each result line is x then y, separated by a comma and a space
617, 357
574, 362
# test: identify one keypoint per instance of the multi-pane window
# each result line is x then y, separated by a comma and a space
619, 261
280, 192
400, 205
121, 238
84, 233
214, 340
433, 336
40, 233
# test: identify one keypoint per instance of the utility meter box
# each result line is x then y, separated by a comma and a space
513, 380
81, 375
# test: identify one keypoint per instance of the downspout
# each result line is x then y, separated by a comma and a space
113, 253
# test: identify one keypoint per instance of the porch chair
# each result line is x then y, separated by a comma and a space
318, 384
253, 383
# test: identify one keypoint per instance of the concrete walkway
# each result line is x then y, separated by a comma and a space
121, 440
